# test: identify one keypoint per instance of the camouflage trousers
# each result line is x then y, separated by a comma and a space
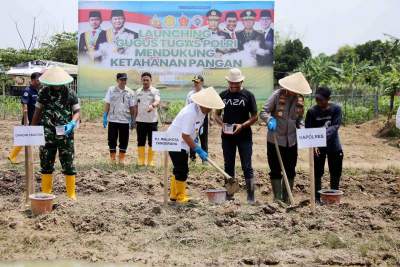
65, 147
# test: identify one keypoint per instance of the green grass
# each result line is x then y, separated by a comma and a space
94, 81
92, 109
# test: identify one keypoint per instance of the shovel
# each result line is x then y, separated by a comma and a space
231, 184
283, 171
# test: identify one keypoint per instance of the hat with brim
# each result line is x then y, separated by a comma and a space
208, 98
55, 75
234, 76
198, 78
296, 83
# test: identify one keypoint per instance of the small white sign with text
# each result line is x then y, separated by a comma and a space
311, 137
29, 136
166, 141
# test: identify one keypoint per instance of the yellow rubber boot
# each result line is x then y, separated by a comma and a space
47, 183
141, 152
14, 153
181, 196
150, 157
70, 184
172, 189
121, 158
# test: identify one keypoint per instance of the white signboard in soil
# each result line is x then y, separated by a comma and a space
29, 136
166, 141
311, 137
398, 118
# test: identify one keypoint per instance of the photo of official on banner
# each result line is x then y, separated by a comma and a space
174, 41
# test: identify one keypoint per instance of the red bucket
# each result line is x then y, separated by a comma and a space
330, 196
41, 203
216, 195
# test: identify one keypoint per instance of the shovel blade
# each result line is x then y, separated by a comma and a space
231, 186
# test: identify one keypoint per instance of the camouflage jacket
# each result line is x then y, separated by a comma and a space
57, 107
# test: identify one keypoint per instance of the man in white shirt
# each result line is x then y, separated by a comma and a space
187, 125
198, 82
147, 101
119, 114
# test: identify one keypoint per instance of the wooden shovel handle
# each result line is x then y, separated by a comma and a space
219, 169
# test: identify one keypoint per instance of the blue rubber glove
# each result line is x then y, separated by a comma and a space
69, 128
202, 154
272, 123
105, 120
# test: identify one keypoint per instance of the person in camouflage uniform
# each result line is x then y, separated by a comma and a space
58, 110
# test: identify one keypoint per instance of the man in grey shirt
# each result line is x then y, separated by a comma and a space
283, 112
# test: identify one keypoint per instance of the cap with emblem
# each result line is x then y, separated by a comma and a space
248, 14
231, 15
214, 14
265, 14
122, 76
198, 78
95, 14
117, 13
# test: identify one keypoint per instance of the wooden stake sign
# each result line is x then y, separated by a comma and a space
164, 142
311, 138
29, 180
28, 136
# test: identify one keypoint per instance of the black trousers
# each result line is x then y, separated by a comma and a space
203, 139
245, 147
144, 130
289, 158
118, 131
180, 162
335, 164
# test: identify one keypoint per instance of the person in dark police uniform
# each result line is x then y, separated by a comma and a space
248, 33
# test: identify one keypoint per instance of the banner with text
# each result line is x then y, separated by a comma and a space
174, 41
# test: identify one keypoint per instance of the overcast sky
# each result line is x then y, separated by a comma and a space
322, 25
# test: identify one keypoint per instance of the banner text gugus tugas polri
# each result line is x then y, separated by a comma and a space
176, 48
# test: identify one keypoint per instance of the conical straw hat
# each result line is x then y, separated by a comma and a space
296, 83
208, 98
55, 75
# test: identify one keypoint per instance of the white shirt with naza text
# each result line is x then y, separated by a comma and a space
188, 121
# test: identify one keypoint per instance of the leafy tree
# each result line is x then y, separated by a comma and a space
352, 72
63, 47
391, 85
377, 51
318, 70
288, 56
345, 53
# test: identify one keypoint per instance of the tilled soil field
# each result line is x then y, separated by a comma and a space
120, 217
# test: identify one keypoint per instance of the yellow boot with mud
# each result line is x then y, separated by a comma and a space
181, 196
14, 153
70, 184
121, 158
150, 157
47, 183
141, 155
172, 189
